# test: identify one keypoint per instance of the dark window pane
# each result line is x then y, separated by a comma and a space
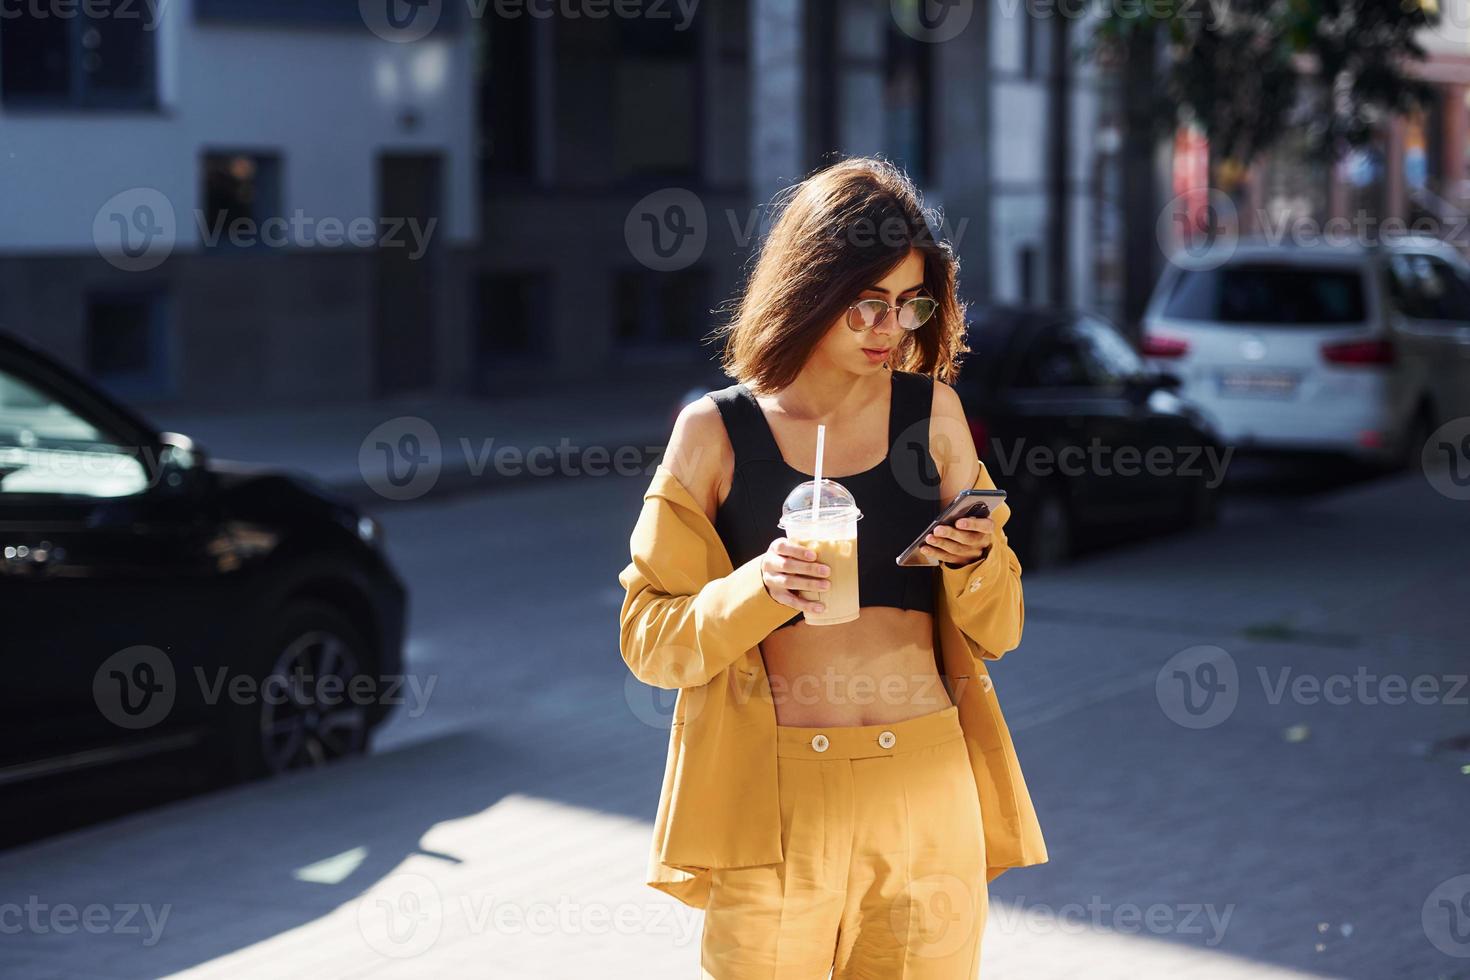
906, 97
508, 96
120, 337
1427, 288
35, 55
239, 187
1054, 360
661, 307
512, 316
1276, 294
325, 12
1108, 357
117, 53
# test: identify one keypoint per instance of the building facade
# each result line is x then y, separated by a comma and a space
608, 136
229, 202
276, 199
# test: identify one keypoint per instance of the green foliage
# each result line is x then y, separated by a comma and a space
1248, 71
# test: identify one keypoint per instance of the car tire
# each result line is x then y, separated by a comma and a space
287, 726
1203, 505
1041, 535
1411, 449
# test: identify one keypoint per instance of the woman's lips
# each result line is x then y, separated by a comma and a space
876, 353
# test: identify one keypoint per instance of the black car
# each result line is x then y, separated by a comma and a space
1060, 405
1092, 444
153, 599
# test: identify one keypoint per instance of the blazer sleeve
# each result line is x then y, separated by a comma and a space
679, 626
985, 596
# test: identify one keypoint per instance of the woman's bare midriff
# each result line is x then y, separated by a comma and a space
876, 669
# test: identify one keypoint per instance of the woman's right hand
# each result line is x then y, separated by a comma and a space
788, 568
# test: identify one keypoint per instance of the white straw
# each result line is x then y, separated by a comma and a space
817, 481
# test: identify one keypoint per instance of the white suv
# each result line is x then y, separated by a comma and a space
1357, 350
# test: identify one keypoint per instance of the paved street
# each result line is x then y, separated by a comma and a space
501, 831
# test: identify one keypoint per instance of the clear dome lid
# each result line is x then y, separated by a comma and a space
835, 503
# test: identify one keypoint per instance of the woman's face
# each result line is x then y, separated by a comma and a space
866, 351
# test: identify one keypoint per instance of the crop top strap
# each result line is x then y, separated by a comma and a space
908, 430
746, 427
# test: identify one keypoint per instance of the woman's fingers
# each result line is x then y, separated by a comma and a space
960, 543
789, 568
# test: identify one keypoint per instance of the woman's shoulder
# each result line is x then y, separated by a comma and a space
697, 450
944, 401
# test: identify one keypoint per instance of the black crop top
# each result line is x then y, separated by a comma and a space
898, 497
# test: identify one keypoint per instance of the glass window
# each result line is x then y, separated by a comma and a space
513, 312
1424, 287
1107, 357
241, 191
1275, 294
654, 308
906, 102
93, 59
45, 447
127, 342
1055, 359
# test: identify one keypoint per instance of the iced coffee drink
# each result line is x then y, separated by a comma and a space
830, 530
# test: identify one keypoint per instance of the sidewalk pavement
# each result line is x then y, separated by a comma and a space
507, 851
407, 448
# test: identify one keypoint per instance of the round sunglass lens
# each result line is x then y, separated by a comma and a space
869, 312
915, 313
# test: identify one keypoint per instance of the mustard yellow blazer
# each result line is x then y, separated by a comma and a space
692, 622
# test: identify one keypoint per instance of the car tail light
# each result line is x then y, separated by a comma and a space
1359, 352
1162, 345
981, 433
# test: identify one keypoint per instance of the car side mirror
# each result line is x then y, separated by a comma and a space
179, 463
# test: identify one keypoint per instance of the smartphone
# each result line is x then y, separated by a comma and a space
969, 503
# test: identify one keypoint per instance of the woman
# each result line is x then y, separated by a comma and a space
863, 758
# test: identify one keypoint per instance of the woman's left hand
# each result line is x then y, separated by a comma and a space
963, 543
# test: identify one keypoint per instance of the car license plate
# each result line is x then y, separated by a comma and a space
1258, 384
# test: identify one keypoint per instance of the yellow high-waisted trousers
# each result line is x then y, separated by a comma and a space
884, 870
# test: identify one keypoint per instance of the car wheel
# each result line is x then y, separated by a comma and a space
304, 714
1044, 539
1204, 504
1416, 434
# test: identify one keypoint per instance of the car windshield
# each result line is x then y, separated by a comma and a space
1277, 294
1425, 287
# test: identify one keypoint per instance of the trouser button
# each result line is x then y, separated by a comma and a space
886, 739
819, 742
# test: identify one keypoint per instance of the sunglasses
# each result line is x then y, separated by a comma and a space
912, 313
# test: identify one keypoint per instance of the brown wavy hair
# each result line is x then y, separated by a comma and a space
835, 233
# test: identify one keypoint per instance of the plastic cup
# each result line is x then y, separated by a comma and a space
832, 534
